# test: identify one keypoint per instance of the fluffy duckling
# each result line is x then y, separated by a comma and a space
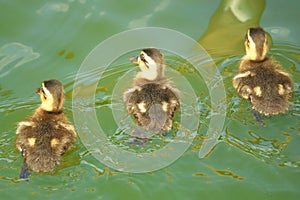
261, 79
152, 99
47, 134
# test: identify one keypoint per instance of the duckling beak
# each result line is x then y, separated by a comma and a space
134, 59
38, 90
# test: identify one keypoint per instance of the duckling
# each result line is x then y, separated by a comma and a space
152, 99
260, 79
47, 134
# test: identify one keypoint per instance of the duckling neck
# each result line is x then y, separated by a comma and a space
41, 111
255, 58
142, 81
150, 75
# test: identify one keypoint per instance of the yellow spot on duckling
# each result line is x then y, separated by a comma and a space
257, 91
281, 90
242, 75
283, 72
174, 102
31, 141
246, 90
165, 106
23, 124
54, 142
142, 107
69, 127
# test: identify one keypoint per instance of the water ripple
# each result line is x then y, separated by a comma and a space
15, 54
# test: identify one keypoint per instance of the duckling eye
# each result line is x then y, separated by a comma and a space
143, 58
44, 94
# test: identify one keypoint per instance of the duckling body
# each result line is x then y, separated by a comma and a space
261, 79
152, 100
45, 136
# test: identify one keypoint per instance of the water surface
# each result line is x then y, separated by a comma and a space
40, 40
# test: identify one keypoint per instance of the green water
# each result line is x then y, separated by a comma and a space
40, 40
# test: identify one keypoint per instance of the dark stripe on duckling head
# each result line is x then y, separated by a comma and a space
158, 58
258, 35
155, 54
143, 58
57, 91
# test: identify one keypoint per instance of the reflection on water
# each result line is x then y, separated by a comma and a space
229, 173
53, 7
262, 148
218, 172
15, 54
142, 22
228, 26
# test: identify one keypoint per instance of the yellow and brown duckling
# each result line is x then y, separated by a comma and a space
45, 136
152, 99
261, 79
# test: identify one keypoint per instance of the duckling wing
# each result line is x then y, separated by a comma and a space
67, 138
153, 106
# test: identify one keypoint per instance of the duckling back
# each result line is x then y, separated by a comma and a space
266, 84
43, 138
153, 106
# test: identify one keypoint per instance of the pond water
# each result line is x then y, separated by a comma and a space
40, 40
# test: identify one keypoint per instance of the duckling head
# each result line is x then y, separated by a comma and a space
52, 95
256, 44
151, 64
